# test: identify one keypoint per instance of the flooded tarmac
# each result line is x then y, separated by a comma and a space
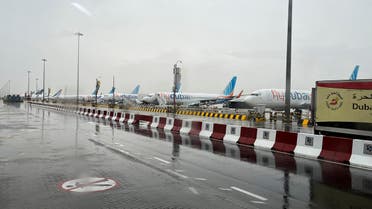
40, 150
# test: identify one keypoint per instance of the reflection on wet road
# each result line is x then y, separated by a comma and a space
39, 149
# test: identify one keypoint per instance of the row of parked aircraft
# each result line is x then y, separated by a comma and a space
269, 98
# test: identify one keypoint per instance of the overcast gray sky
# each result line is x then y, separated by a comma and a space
138, 41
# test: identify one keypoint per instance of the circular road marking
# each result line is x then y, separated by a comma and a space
88, 184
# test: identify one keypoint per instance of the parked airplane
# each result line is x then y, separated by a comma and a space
275, 98
166, 98
122, 97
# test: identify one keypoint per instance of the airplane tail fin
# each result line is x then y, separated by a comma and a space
136, 90
112, 90
94, 92
57, 93
354, 74
229, 90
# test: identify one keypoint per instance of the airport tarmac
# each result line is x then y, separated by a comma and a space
41, 151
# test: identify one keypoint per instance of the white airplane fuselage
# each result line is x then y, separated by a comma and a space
275, 99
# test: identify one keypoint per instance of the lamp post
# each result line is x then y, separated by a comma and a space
176, 83
36, 81
288, 65
44, 60
28, 83
78, 34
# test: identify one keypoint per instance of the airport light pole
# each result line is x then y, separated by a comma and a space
288, 65
36, 82
28, 83
176, 82
78, 34
44, 60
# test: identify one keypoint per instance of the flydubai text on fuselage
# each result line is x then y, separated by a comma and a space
275, 99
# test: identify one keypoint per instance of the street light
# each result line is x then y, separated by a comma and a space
28, 83
44, 60
36, 82
176, 83
78, 34
288, 65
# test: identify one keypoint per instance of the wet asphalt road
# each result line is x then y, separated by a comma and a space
40, 149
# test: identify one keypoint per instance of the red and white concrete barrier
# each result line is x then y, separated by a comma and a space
196, 127
124, 118
155, 122
336, 149
361, 153
207, 129
186, 127
285, 141
247, 135
117, 116
219, 131
177, 125
232, 134
265, 138
308, 145
169, 124
110, 115
92, 113
131, 118
96, 115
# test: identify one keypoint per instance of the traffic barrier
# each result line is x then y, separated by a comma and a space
103, 114
336, 149
169, 124
308, 145
177, 124
162, 122
232, 134
265, 138
117, 117
155, 122
92, 113
96, 115
207, 129
87, 112
80, 111
125, 118
131, 118
186, 127
83, 112
196, 127
219, 131
361, 153
110, 115
285, 141
247, 135
143, 120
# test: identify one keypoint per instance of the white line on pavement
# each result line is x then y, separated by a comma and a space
224, 189
177, 174
193, 190
200, 179
161, 160
257, 202
248, 193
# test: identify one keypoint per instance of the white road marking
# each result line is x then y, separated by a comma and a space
161, 160
249, 193
125, 152
193, 190
224, 189
121, 145
179, 170
257, 202
200, 179
177, 174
